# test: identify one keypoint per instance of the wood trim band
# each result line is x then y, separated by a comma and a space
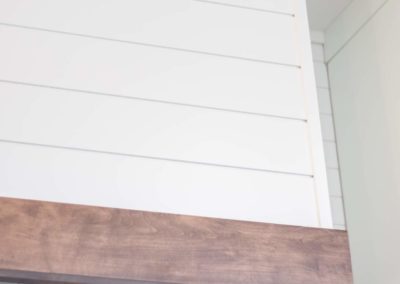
44, 242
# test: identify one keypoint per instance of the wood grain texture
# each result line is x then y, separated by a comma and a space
61, 243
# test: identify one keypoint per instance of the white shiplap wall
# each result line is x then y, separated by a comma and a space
191, 107
328, 132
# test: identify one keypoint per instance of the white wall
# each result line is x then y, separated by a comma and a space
178, 106
364, 65
328, 130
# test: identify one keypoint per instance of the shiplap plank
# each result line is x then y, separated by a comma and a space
137, 127
328, 133
318, 52
321, 75
334, 182
328, 129
331, 155
151, 73
324, 100
337, 210
186, 24
124, 182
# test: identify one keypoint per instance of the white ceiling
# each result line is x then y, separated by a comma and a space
322, 12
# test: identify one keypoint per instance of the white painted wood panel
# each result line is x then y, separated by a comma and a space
331, 155
137, 127
334, 182
321, 75
186, 24
324, 99
318, 52
328, 130
148, 72
125, 182
328, 134
337, 210
213, 88
313, 119
282, 6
